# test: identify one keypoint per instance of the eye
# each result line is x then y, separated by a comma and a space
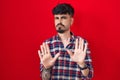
56, 17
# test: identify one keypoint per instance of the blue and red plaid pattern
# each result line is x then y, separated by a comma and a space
64, 68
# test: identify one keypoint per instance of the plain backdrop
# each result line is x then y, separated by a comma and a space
25, 24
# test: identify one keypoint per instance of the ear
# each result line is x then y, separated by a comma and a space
72, 20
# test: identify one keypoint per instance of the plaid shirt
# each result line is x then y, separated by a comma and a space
64, 68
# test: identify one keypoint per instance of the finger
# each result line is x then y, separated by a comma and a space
76, 44
44, 46
39, 53
70, 53
85, 49
81, 44
42, 50
47, 47
56, 56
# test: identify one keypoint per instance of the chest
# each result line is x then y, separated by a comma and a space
65, 43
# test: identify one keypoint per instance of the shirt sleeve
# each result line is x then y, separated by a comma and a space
88, 62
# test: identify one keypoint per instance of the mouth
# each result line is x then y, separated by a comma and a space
60, 25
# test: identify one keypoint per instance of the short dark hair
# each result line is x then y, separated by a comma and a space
63, 8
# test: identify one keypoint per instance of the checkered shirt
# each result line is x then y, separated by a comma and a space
64, 68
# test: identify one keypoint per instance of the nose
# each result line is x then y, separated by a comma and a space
59, 20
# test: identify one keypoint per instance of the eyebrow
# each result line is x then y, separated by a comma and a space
56, 17
64, 17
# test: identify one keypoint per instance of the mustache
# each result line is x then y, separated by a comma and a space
59, 24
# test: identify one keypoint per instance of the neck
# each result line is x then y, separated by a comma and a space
65, 36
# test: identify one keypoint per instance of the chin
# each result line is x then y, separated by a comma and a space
61, 31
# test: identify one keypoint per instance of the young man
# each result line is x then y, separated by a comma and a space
65, 56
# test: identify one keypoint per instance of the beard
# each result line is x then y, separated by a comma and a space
60, 30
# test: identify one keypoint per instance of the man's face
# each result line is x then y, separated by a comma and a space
63, 22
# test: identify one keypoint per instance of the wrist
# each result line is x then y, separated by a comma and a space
47, 67
83, 66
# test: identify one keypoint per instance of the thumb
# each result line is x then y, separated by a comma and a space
56, 56
39, 53
70, 53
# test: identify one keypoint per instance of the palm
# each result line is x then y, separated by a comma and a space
46, 59
78, 56
79, 53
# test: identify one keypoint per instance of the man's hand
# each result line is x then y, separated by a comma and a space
79, 53
46, 59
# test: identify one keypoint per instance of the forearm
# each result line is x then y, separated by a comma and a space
85, 71
46, 74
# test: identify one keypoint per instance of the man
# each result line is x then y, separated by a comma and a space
65, 56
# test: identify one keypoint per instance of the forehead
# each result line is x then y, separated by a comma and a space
61, 15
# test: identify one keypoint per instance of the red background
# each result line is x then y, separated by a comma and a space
25, 24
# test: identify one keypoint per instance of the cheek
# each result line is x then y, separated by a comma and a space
67, 23
56, 22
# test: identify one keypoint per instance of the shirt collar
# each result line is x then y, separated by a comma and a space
72, 39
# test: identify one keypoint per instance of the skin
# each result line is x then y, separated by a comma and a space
80, 50
64, 19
